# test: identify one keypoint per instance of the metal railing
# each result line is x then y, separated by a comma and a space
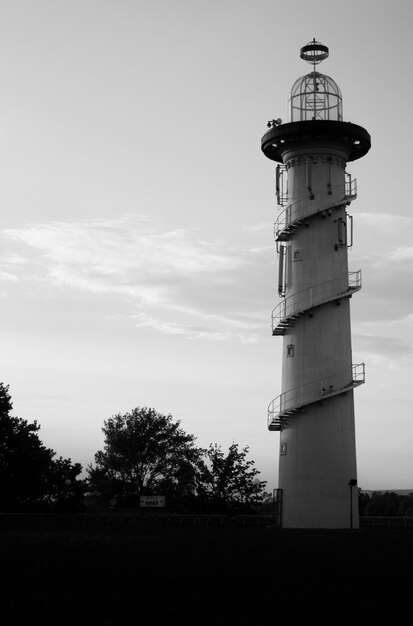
305, 207
290, 401
308, 298
379, 522
128, 521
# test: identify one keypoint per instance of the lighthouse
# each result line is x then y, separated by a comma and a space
314, 412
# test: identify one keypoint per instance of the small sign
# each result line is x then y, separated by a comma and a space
152, 502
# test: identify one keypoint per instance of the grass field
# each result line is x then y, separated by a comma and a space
197, 575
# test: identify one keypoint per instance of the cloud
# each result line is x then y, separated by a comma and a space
7, 277
386, 343
384, 252
402, 255
9, 264
267, 226
383, 346
192, 332
178, 282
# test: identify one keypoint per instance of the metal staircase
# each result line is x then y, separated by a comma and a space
287, 311
284, 315
298, 212
283, 407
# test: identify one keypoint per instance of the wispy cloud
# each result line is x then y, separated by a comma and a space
402, 255
384, 346
267, 226
193, 332
384, 252
7, 277
178, 282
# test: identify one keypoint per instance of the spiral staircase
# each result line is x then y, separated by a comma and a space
285, 314
283, 407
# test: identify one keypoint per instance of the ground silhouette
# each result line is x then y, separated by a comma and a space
203, 575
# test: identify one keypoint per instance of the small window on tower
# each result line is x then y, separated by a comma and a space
290, 350
298, 254
283, 448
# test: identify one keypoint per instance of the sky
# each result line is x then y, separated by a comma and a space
137, 262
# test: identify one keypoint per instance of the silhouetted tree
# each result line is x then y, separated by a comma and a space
389, 503
386, 503
29, 475
364, 501
65, 491
229, 481
144, 452
406, 505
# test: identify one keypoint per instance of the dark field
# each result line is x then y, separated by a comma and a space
197, 575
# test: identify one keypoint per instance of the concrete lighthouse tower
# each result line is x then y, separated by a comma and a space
315, 410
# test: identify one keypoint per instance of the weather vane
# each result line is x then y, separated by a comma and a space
314, 52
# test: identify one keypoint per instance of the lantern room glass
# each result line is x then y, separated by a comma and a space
315, 96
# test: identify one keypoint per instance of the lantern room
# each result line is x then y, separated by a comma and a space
315, 96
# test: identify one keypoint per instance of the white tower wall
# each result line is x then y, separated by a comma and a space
319, 452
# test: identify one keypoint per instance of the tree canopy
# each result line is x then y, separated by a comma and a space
29, 474
386, 503
145, 452
229, 480
148, 453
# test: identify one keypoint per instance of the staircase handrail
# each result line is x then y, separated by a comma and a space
315, 390
296, 210
313, 296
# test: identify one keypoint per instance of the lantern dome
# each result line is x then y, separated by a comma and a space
315, 96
